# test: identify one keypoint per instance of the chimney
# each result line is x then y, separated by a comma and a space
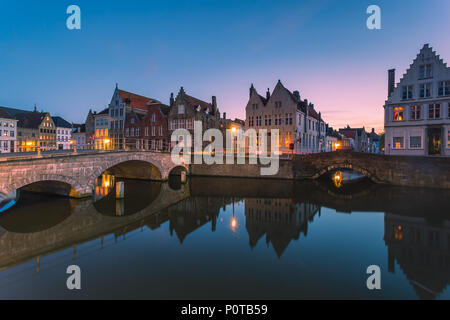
391, 81
297, 95
172, 101
268, 94
214, 102
224, 115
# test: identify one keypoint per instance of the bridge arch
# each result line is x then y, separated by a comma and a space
74, 188
345, 165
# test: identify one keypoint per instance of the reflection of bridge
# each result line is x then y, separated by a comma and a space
78, 172
83, 224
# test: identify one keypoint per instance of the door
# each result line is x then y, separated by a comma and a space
434, 141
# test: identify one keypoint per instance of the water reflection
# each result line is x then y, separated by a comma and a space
276, 214
35, 212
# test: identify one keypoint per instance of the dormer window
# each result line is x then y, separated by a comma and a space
407, 92
181, 109
426, 71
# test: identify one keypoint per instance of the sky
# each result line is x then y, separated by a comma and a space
322, 48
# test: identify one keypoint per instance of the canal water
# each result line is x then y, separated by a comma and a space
228, 239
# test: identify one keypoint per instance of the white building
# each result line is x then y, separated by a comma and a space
63, 133
417, 112
8, 133
300, 126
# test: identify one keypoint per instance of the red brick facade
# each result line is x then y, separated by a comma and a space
147, 132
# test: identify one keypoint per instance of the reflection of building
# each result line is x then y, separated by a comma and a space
416, 114
422, 250
8, 133
63, 133
281, 220
190, 214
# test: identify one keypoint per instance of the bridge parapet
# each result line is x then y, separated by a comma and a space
80, 171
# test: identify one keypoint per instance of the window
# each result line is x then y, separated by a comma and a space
270, 120
11, 133
181, 109
121, 112
132, 132
444, 88
415, 142
426, 71
153, 131
434, 111
416, 112
398, 113
160, 130
154, 117
397, 142
425, 90
448, 139
407, 92
146, 131
288, 139
278, 104
255, 106
132, 121
127, 132
190, 124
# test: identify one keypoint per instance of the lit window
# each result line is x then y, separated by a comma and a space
416, 112
398, 142
398, 114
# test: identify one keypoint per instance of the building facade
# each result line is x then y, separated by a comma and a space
63, 133
301, 129
149, 131
417, 112
185, 110
360, 140
8, 133
122, 103
102, 122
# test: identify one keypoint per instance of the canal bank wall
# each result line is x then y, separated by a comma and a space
429, 172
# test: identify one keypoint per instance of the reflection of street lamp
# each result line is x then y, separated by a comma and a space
233, 219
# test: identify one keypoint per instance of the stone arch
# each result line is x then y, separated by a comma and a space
76, 190
346, 165
116, 161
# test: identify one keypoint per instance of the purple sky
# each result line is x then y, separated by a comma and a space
320, 48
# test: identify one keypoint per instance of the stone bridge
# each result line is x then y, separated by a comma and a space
75, 174
431, 172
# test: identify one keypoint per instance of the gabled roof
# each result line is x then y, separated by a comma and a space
135, 100
4, 115
31, 120
13, 111
165, 109
204, 106
61, 123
